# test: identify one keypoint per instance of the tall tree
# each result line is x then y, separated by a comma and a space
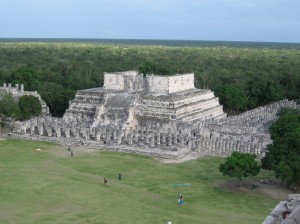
29, 106
240, 165
232, 97
283, 155
9, 106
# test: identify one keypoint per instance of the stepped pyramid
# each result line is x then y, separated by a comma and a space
128, 99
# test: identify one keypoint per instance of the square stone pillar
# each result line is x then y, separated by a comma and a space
119, 137
98, 136
163, 138
181, 137
169, 139
142, 133
115, 135
32, 129
49, 131
108, 136
158, 138
41, 129
58, 131
130, 137
87, 134
67, 131
136, 136
147, 138
175, 139
152, 140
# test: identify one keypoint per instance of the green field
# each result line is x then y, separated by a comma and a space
48, 186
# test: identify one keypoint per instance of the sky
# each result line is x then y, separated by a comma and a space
221, 20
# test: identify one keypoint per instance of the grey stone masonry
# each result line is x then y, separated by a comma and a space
18, 91
126, 113
290, 204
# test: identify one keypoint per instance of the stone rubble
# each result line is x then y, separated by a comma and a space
290, 204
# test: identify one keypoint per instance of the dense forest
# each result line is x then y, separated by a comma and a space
243, 78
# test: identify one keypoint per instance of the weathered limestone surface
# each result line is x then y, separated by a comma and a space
290, 204
18, 91
153, 113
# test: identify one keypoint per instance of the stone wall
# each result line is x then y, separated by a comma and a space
189, 120
290, 204
18, 90
209, 136
133, 81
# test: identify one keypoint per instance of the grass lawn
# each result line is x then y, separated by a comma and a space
48, 186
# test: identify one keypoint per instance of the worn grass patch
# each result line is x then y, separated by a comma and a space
48, 186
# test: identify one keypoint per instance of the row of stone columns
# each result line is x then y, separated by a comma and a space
148, 137
19, 88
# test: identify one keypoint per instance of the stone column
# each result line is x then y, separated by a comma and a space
4, 85
115, 135
22, 88
41, 129
238, 145
67, 131
194, 142
98, 136
209, 146
87, 134
119, 137
77, 132
175, 138
136, 135
9, 85
158, 138
163, 138
169, 139
181, 137
130, 139
147, 138
125, 136
142, 133
49, 131
17, 87
152, 140
212, 145
32, 129
108, 136
58, 131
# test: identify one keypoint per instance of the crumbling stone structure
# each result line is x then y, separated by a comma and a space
18, 91
290, 204
165, 114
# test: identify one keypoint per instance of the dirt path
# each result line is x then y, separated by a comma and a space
276, 191
189, 156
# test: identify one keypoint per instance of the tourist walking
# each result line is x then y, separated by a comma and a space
105, 180
180, 200
169, 222
72, 154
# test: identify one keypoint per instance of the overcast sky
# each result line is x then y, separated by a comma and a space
232, 20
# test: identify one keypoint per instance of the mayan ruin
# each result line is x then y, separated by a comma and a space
162, 116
